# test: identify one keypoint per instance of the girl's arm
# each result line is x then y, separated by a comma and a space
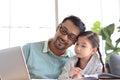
66, 69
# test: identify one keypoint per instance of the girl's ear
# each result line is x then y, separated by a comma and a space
94, 50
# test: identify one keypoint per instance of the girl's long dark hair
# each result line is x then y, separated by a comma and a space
94, 39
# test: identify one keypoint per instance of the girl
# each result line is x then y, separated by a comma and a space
86, 62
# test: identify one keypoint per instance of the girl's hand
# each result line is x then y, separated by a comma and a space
75, 73
78, 75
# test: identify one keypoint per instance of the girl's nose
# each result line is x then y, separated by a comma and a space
78, 48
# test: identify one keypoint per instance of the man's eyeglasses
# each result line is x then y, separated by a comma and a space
63, 30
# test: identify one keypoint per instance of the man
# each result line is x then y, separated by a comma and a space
45, 59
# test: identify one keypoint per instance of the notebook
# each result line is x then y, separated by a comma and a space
13, 65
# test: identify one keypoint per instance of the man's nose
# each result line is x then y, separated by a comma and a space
65, 37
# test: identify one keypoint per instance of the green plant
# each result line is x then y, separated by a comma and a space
106, 33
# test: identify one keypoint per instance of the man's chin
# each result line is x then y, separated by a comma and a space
61, 48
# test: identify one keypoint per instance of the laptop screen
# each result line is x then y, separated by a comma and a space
12, 64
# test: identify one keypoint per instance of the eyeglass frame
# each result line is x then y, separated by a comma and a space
65, 32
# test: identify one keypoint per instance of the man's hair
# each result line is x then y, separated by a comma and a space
77, 22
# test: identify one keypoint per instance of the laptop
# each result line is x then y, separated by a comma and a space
13, 65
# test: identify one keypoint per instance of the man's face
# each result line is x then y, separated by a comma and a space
66, 35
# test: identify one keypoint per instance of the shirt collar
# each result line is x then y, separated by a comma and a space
46, 49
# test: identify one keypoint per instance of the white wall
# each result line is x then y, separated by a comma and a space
23, 21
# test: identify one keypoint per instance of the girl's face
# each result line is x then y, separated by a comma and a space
83, 48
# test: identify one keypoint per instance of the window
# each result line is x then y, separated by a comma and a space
23, 21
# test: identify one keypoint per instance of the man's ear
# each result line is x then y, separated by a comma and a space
57, 28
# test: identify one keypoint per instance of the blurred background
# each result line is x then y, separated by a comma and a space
24, 21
